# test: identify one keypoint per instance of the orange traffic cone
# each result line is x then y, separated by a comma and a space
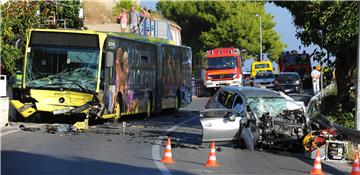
167, 153
317, 165
356, 165
212, 157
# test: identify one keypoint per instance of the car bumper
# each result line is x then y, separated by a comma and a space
215, 84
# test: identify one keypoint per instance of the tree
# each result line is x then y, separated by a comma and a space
333, 25
19, 16
124, 4
209, 24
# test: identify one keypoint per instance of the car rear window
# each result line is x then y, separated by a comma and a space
288, 77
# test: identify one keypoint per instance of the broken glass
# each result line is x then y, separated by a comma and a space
273, 106
62, 68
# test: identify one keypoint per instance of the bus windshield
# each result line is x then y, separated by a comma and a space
221, 63
53, 67
262, 66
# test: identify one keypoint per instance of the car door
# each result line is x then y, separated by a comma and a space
221, 124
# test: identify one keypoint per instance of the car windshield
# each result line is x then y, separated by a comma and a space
264, 75
262, 66
288, 77
62, 68
221, 63
272, 105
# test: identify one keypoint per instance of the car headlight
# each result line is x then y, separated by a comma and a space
297, 82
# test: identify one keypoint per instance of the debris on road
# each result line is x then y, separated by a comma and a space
32, 129
81, 126
58, 128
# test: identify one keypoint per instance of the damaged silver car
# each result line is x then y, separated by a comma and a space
254, 115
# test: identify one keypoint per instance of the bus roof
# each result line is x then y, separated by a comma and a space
116, 34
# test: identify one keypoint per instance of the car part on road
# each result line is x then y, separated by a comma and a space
58, 128
81, 126
22, 127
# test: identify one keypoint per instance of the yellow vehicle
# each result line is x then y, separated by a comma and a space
261, 66
101, 75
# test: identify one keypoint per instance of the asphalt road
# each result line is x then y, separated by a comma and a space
136, 149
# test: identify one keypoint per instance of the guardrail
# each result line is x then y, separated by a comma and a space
350, 134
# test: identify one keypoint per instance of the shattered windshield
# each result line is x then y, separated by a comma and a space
62, 68
274, 106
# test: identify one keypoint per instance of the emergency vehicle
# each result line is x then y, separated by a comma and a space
296, 62
223, 68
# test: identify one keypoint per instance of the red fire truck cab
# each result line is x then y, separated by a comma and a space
296, 62
223, 68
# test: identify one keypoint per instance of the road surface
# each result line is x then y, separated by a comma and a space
136, 149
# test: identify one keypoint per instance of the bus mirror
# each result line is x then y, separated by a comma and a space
109, 59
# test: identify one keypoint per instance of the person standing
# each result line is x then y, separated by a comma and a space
315, 76
123, 20
135, 19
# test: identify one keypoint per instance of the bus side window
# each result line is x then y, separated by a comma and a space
144, 59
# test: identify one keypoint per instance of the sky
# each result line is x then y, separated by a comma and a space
284, 26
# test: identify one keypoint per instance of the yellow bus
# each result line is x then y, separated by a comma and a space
261, 66
101, 75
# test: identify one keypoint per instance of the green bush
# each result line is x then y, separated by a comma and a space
337, 114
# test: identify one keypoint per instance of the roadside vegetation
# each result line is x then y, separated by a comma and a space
209, 24
338, 115
333, 26
19, 16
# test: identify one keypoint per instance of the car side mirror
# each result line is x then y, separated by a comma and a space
109, 59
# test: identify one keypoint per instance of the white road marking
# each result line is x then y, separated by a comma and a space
156, 150
13, 131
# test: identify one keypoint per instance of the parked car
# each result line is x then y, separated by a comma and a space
265, 79
254, 115
291, 82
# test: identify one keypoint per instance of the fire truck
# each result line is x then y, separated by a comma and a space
223, 68
296, 62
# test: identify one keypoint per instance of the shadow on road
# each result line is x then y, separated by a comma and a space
326, 168
14, 162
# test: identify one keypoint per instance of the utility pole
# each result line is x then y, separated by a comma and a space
357, 119
260, 37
